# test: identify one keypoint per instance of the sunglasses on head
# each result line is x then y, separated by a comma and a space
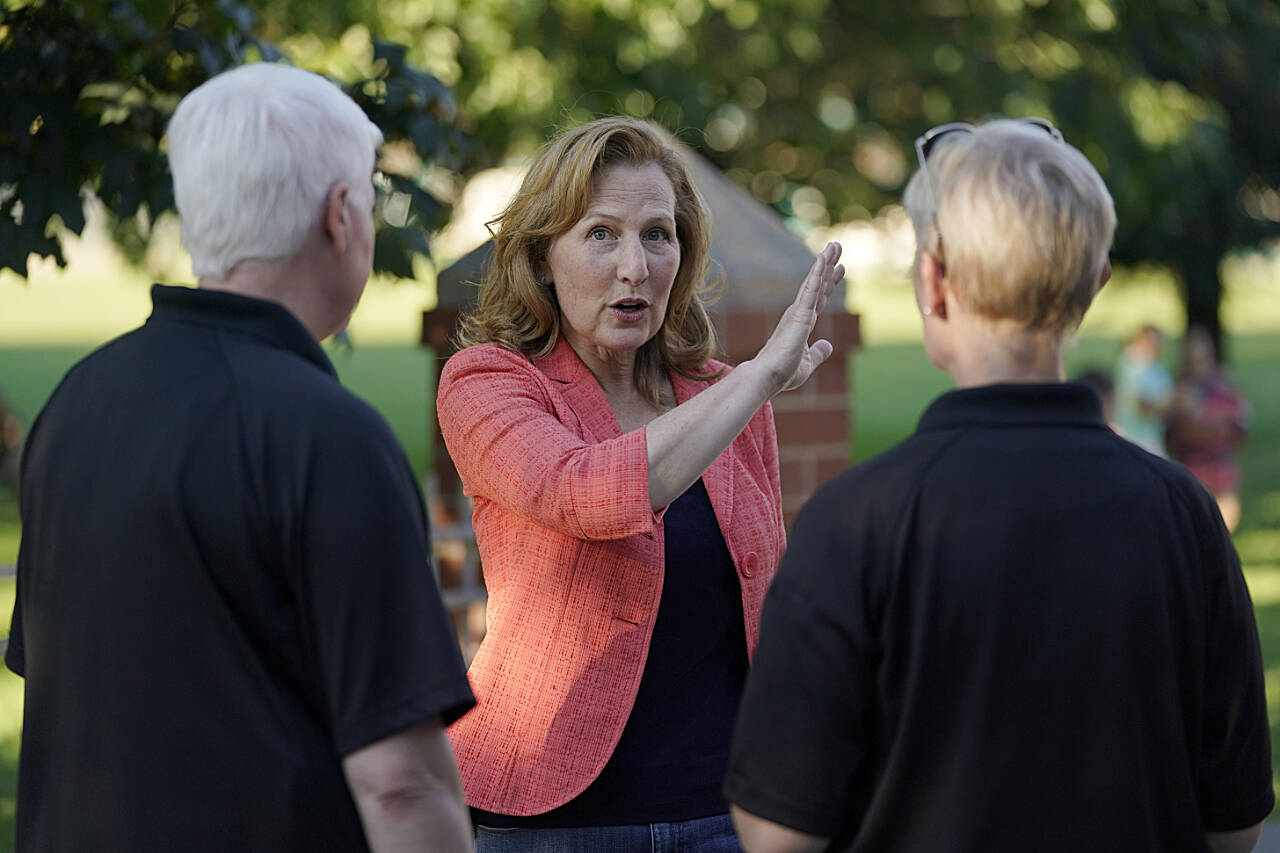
929, 140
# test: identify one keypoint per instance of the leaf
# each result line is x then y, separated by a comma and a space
395, 248
428, 210
390, 52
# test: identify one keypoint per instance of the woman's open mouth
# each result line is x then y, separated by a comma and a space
629, 310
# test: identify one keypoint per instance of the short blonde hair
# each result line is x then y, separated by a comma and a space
517, 312
1022, 221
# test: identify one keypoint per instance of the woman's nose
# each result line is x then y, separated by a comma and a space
633, 266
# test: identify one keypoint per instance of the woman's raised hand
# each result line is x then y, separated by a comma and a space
683, 442
788, 357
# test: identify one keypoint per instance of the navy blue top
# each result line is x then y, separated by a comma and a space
670, 761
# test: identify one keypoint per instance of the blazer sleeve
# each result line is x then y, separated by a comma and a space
511, 444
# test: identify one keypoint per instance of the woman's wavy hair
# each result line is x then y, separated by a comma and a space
515, 311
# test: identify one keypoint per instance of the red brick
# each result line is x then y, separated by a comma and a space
742, 333
795, 401
789, 519
793, 474
846, 330
828, 468
822, 328
793, 501
812, 426
832, 375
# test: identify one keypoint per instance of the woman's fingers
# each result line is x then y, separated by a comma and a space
788, 352
818, 282
829, 284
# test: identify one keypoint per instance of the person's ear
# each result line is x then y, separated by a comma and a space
337, 221
934, 286
1105, 275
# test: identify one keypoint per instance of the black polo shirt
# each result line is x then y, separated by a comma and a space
224, 586
1014, 631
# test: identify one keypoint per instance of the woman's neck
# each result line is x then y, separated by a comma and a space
1003, 351
616, 374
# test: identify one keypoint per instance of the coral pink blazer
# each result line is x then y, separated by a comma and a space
573, 561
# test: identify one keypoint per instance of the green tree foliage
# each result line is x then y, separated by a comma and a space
88, 90
813, 104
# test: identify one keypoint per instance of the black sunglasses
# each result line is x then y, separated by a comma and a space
927, 142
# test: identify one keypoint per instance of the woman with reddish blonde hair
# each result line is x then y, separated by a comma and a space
627, 503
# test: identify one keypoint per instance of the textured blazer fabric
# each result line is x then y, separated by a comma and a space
573, 561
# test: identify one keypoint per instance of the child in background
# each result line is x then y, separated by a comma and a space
1207, 420
1143, 391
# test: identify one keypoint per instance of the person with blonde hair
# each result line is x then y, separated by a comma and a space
627, 503
1015, 630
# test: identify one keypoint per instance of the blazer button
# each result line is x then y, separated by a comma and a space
750, 562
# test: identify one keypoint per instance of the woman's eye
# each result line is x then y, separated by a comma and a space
598, 233
658, 234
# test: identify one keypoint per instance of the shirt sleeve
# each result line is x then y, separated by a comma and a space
510, 444
384, 646
802, 745
1235, 781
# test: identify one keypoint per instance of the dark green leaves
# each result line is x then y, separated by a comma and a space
88, 90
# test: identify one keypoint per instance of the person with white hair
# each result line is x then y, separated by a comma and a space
1015, 630
226, 615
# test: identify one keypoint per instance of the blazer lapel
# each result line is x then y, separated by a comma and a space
581, 391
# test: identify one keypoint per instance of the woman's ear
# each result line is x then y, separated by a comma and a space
542, 272
934, 287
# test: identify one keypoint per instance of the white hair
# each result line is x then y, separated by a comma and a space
254, 152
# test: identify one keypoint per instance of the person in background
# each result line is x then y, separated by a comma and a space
1207, 421
11, 433
226, 615
1015, 630
627, 504
1144, 390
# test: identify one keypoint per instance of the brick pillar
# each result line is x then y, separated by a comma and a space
446, 501
814, 421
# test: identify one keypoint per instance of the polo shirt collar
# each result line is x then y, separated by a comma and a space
1055, 403
269, 322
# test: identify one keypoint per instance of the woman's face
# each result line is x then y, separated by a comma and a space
613, 269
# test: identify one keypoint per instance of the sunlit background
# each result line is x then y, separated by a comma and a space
810, 106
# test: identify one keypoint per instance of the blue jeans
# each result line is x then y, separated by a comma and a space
703, 835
